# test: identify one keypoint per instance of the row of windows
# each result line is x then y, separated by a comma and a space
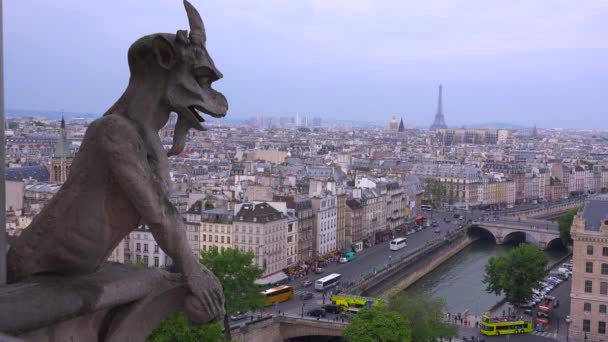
138, 259
138, 247
603, 287
587, 308
221, 238
601, 326
218, 228
590, 250
589, 267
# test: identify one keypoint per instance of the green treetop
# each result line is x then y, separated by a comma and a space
377, 324
516, 273
237, 273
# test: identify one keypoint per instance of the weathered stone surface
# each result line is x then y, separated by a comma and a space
117, 303
118, 180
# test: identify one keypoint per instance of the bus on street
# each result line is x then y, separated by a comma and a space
327, 282
278, 294
493, 326
354, 303
398, 243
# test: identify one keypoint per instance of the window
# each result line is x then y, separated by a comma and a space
605, 251
604, 288
588, 286
155, 248
138, 247
586, 325
222, 239
589, 267
216, 238
204, 237
587, 307
227, 239
601, 327
138, 258
290, 228
589, 250
156, 261
604, 268
146, 260
603, 308
145, 247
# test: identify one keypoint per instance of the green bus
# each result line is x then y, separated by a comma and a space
492, 327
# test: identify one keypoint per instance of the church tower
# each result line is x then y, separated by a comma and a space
61, 159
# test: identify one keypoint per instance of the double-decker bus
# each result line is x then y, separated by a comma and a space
353, 302
398, 243
278, 294
491, 326
327, 282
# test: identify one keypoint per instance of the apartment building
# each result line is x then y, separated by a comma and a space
325, 223
292, 238
262, 229
216, 229
589, 296
141, 248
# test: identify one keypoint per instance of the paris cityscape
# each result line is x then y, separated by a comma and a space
167, 220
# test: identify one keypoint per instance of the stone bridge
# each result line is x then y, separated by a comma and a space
285, 327
540, 233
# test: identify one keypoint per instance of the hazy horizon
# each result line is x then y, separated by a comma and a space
518, 62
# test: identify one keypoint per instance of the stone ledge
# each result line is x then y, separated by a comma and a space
117, 303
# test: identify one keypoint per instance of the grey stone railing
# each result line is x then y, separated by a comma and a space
117, 303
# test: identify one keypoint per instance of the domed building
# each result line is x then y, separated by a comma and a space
394, 125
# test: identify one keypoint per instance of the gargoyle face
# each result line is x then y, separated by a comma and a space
191, 73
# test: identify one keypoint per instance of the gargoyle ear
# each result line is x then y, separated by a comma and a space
164, 52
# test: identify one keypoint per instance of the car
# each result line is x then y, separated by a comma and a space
306, 283
238, 316
331, 308
568, 319
556, 303
461, 218
528, 312
319, 270
342, 260
456, 216
435, 224
437, 230
447, 220
316, 313
306, 295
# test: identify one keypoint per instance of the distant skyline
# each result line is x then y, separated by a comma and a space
519, 62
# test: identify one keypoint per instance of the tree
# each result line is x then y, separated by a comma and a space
13, 125
425, 315
516, 273
176, 328
565, 222
237, 274
208, 205
377, 324
38, 123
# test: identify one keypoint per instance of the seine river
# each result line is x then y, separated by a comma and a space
458, 280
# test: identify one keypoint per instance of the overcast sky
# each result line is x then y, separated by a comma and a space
522, 62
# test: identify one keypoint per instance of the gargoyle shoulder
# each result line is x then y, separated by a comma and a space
114, 132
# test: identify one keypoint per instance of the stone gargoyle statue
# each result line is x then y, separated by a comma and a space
120, 177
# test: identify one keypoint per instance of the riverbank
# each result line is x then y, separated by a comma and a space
415, 266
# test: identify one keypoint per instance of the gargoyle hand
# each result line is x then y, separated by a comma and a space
206, 303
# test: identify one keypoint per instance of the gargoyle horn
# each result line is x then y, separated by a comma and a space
197, 29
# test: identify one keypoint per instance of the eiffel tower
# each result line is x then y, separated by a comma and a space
439, 122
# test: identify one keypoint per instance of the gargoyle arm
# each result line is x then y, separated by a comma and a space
126, 156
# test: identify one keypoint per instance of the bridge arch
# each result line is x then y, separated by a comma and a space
515, 237
478, 232
556, 243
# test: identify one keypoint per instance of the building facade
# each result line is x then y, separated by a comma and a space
589, 296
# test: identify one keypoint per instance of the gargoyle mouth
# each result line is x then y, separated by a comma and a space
195, 111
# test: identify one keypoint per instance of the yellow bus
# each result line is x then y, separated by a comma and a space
278, 294
346, 301
492, 327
